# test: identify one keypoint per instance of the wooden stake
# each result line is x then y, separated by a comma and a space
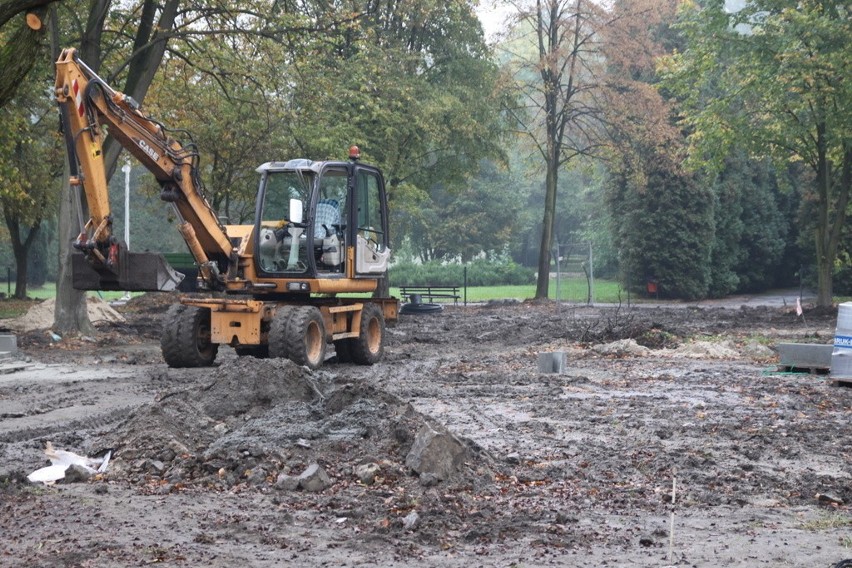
671, 523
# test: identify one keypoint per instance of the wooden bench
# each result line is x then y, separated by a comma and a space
431, 292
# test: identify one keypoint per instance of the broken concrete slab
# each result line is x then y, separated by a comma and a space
314, 479
77, 473
435, 452
10, 366
287, 482
367, 472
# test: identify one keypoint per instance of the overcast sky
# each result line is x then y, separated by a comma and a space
493, 17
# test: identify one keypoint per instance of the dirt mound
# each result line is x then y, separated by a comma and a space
248, 386
259, 418
40, 316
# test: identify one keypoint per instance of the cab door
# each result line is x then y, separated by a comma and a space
370, 218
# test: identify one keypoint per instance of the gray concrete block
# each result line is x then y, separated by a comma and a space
805, 355
551, 362
8, 343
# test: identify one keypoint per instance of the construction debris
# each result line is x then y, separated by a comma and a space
62, 460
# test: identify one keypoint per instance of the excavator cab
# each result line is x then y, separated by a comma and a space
320, 220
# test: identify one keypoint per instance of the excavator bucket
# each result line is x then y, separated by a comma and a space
135, 272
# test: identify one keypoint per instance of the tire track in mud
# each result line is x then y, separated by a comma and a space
637, 420
59, 406
97, 421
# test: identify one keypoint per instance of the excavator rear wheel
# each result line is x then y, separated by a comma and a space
369, 347
168, 340
278, 332
186, 340
305, 337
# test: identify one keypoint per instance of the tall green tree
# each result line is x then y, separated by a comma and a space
465, 223
664, 227
557, 78
153, 23
30, 160
774, 78
562, 54
132, 39
750, 229
412, 83
235, 117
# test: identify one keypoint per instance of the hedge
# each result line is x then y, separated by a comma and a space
479, 273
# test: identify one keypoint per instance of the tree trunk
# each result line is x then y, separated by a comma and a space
543, 283
20, 249
71, 310
151, 46
21, 274
71, 313
825, 292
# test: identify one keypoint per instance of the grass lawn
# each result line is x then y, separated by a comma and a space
570, 290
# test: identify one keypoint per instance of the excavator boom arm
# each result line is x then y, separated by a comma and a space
87, 104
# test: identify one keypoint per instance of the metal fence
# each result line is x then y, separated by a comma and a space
575, 272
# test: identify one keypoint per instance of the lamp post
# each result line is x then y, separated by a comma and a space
126, 169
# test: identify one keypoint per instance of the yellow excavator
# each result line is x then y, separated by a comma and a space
285, 286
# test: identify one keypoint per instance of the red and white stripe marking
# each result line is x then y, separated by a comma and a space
78, 97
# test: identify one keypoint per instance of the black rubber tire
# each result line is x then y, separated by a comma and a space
306, 337
191, 346
168, 340
369, 347
278, 332
256, 351
343, 348
420, 309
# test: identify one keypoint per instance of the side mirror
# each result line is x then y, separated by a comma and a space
296, 210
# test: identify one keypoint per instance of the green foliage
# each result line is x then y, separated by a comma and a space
30, 159
479, 273
413, 85
773, 78
750, 229
462, 224
233, 119
665, 230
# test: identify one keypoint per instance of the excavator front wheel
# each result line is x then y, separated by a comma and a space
186, 339
305, 337
369, 347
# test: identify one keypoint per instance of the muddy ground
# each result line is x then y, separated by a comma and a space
569, 469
